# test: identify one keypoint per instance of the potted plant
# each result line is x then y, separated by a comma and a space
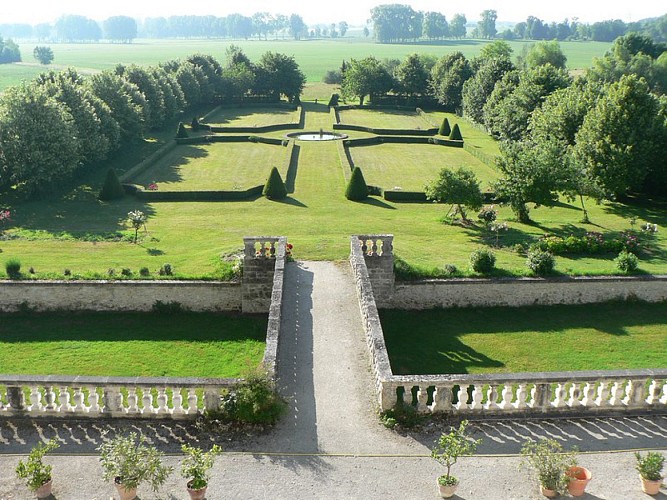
650, 471
578, 477
196, 466
447, 451
550, 462
35, 472
129, 461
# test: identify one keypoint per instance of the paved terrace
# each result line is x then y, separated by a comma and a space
331, 445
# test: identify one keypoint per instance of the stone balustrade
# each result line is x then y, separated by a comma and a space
540, 394
258, 247
378, 245
530, 393
118, 397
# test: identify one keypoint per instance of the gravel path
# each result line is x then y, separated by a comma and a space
331, 445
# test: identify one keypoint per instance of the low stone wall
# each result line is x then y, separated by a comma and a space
526, 292
136, 295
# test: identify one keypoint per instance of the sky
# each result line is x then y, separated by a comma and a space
355, 12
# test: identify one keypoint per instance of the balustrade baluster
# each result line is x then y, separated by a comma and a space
663, 399
49, 399
35, 399
507, 396
462, 396
492, 397
617, 393
132, 400
575, 395
162, 400
147, 401
540, 395
477, 396
374, 248
113, 400
93, 400
559, 400
422, 398
521, 396
177, 401
192, 401
635, 391
589, 395
63, 399
442, 399
654, 390
604, 394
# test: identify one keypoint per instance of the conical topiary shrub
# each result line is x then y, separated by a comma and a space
182, 132
456, 133
356, 190
112, 189
445, 129
275, 189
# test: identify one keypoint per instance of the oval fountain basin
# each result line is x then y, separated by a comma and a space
316, 136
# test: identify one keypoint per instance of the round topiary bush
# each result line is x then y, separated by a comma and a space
357, 189
182, 132
626, 262
455, 135
445, 129
13, 268
112, 189
482, 260
275, 189
541, 263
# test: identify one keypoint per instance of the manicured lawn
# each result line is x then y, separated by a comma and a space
58, 233
223, 166
473, 136
252, 117
410, 166
386, 118
131, 344
529, 339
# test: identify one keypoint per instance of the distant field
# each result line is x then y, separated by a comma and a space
216, 167
252, 117
385, 118
410, 166
314, 56
527, 339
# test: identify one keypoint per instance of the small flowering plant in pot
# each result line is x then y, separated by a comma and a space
196, 467
447, 451
37, 475
650, 467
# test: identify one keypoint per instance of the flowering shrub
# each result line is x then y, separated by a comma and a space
590, 243
488, 214
541, 263
626, 262
482, 261
152, 186
288, 250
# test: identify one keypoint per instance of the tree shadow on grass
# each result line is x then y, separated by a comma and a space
290, 179
653, 210
167, 169
376, 202
292, 201
227, 116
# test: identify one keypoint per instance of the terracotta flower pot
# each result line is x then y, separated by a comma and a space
44, 490
125, 494
579, 479
547, 492
651, 487
199, 494
447, 490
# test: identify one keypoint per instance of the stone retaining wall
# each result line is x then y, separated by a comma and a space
526, 292
136, 295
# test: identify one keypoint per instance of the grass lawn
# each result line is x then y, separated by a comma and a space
386, 118
529, 339
63, 231
131, 344
410, 166
315, 57
473, 136
225, 166
252, 117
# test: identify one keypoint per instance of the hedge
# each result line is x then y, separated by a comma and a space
386, 131
153, 196
405, 196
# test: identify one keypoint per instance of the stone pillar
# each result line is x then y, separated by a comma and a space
259, 262
378, 253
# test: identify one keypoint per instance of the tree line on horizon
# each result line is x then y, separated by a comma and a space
392, 23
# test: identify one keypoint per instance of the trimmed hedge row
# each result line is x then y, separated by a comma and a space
265, 128
386, 131
405, 196
152, 196
370, 141
207, 139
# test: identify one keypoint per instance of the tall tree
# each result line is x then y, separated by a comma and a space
283, 75
487, 24
297, 27
478, 89
457, 26
435, 25
545, 53
412, 76
365, 77
447, 79
120, 29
